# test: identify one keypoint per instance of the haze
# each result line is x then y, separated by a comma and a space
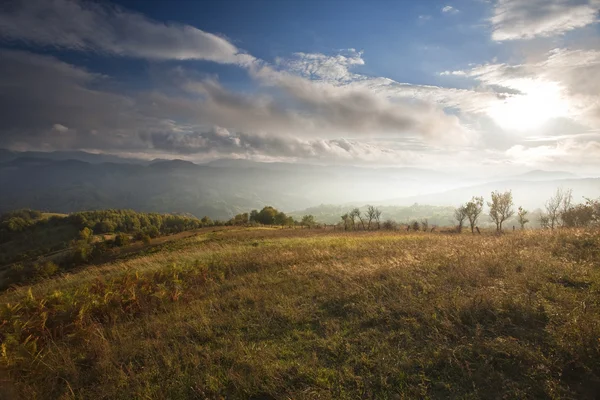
296, 104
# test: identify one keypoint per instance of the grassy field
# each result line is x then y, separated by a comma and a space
313, 314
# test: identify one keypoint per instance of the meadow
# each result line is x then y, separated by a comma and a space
266, 313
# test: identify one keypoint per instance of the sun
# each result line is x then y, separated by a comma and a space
538, 103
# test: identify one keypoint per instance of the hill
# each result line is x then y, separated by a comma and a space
223, 188
297, 313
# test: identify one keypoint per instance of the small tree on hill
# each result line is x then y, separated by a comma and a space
346, 220
378, 217
460, 215
522, 215
371, 211
415, 226
557, 204
473, 210
501, 208
308, 221
356, 213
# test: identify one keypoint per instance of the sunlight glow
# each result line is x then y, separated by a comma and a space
540, 102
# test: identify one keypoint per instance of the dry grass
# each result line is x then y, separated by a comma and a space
265, 313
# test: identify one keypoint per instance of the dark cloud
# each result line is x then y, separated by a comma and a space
87, 25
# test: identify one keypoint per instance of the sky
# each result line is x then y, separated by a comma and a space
465, 85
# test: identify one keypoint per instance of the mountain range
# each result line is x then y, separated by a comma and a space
74, 181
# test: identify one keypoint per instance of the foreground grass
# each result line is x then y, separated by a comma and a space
306, 314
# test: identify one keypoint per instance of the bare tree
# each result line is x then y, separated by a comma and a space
501, 208
356, 213
346, 220
566, 204
460, 214
544, 221
378, 217
522, 215
557, 204
473, 210
371, 211
425, 225
353, 214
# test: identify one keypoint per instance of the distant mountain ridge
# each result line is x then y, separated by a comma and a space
66, 182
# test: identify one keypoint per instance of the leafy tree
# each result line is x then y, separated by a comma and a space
579, 216
346, 219
281, 218
501, 208
206, 221
240, 219
121, 239
266, 216
522, 216
85, 234
308, 221
473, 210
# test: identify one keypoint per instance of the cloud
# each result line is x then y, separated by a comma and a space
320, 66
358, 110
565, 83
305, 120
91, 26
221, 141
569, 153
449, 10
60, 128
526, 19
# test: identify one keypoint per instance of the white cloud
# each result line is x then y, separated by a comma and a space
86, 25
449, 10
526, 19
566, 83
321, 66
60, 128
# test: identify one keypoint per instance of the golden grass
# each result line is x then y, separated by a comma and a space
276, 313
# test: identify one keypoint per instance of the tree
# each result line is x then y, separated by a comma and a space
378, 217
425, 225
346, 220
206, 221
460, 214
415, 226
544, 221
579, 216
121, 240
522, 215
254, 216
308, 221
560, 202
266, 216
85, 234
473, 210
501, 208
355, 213
280, 218
371, 215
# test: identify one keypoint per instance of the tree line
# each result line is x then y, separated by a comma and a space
559, 211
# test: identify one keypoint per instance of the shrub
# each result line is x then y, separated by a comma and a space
121, 240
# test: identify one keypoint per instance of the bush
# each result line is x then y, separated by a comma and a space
45, 269
390, 225
121, 240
